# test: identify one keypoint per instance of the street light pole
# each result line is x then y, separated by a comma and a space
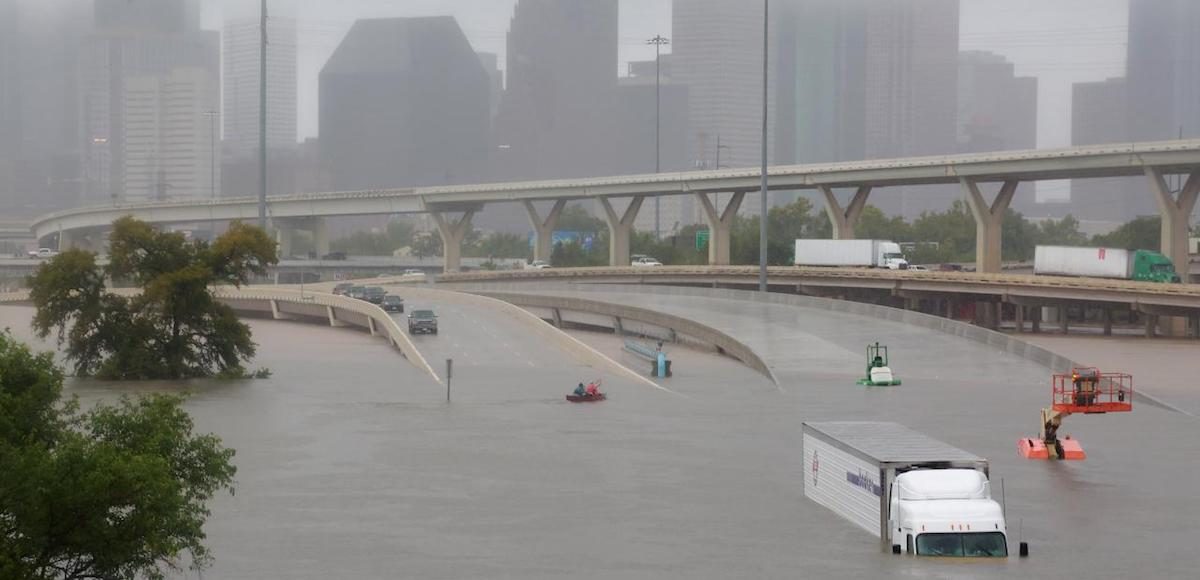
262, 118
762, 196
658, 42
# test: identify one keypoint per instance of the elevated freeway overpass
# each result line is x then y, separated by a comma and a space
1024, 296
452, 207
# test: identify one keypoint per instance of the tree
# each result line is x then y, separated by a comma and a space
499, 245
1063, 232
874, 225
1142, 233
112, 493
576, 219
397, 235
174, 328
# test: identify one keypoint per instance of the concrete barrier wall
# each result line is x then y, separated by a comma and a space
699, 332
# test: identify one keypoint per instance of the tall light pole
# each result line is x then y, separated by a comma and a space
262, 118
212, 153
658, 42
762, 195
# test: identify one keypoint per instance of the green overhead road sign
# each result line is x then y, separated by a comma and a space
702, 239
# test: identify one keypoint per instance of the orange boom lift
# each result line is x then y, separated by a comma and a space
1086, 390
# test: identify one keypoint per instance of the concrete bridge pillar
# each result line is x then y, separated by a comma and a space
720, 226
453, 233
283, 238
320, 232
845, 220
543, 228
989, 221
1176, 217
619, 229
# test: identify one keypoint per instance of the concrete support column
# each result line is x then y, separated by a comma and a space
453, 233
845, 220
1108, 321
989, 220
619, 229
1037, 319
320, 232
1020, 319
720, 226
66, 240
1195, 321
1176, 214
1063, 322
1151, 325
543, 228
283, 237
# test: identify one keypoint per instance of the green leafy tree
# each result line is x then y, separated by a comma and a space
1063, 232
113, 493
874, 225
1018, 237
425, 244
571, 255
398, 234
174, 328
576, 219
953, 230
1142, 233
499, 245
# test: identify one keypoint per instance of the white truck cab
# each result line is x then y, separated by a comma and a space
891, 256
946, 512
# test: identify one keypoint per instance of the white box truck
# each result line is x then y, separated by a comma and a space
917, 494
861, 253
1143, 265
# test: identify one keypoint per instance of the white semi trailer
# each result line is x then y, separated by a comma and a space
860, 253
917, 494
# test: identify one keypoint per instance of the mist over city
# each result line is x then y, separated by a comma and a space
697, 289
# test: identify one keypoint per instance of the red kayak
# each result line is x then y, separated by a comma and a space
586, 398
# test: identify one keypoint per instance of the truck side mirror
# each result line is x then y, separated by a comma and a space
1023, 550
895, 548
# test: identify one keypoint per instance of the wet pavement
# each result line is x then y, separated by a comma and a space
352, 465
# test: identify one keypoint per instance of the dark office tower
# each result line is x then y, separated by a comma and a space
555, 116
821, 71
1099, 116
1164, 69
997, 110
404, 102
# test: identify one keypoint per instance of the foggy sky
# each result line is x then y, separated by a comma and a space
1059, 41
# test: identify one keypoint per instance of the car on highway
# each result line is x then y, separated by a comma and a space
392, 303
537, 265
341, 289
413, 274
645, 262
357, 292
334, 256
42, 253
374, 294
422, 322
917, 268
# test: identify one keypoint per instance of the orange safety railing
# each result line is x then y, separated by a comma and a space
1087, 390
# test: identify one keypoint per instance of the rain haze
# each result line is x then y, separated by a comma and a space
560, 282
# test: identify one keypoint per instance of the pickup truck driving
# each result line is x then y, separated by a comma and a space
916, 494
422, 322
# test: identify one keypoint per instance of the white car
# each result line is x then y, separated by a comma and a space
413, 273
42, 253
537, 265
917, 268
645, 262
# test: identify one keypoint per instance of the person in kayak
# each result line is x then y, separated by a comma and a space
580, 390
593, 389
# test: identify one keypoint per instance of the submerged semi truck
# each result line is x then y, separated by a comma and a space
860, 253
918, 495
1142, 265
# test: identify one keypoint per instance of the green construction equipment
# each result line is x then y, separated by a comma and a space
879, 374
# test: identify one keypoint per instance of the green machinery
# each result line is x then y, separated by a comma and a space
879, 374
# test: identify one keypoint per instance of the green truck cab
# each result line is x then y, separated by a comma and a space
1149, 266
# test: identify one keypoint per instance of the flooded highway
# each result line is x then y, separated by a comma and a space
352, 464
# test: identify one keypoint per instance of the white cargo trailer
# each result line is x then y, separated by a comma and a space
861, 253
917, 494
1142, 265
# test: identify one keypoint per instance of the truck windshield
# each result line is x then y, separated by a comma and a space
894, 256
974, 545
1166, 268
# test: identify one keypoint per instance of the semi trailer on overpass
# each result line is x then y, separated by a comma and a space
1139, 265
860, 253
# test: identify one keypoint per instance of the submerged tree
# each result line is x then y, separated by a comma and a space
174, 327
116, 492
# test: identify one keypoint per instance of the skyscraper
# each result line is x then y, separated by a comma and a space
1099, 115
143, 59
404, 102
1164, 69
997, 110
554, 117
241, 44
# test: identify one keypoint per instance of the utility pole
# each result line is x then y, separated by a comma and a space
762, 196
658, 42
212, 153
262, 118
